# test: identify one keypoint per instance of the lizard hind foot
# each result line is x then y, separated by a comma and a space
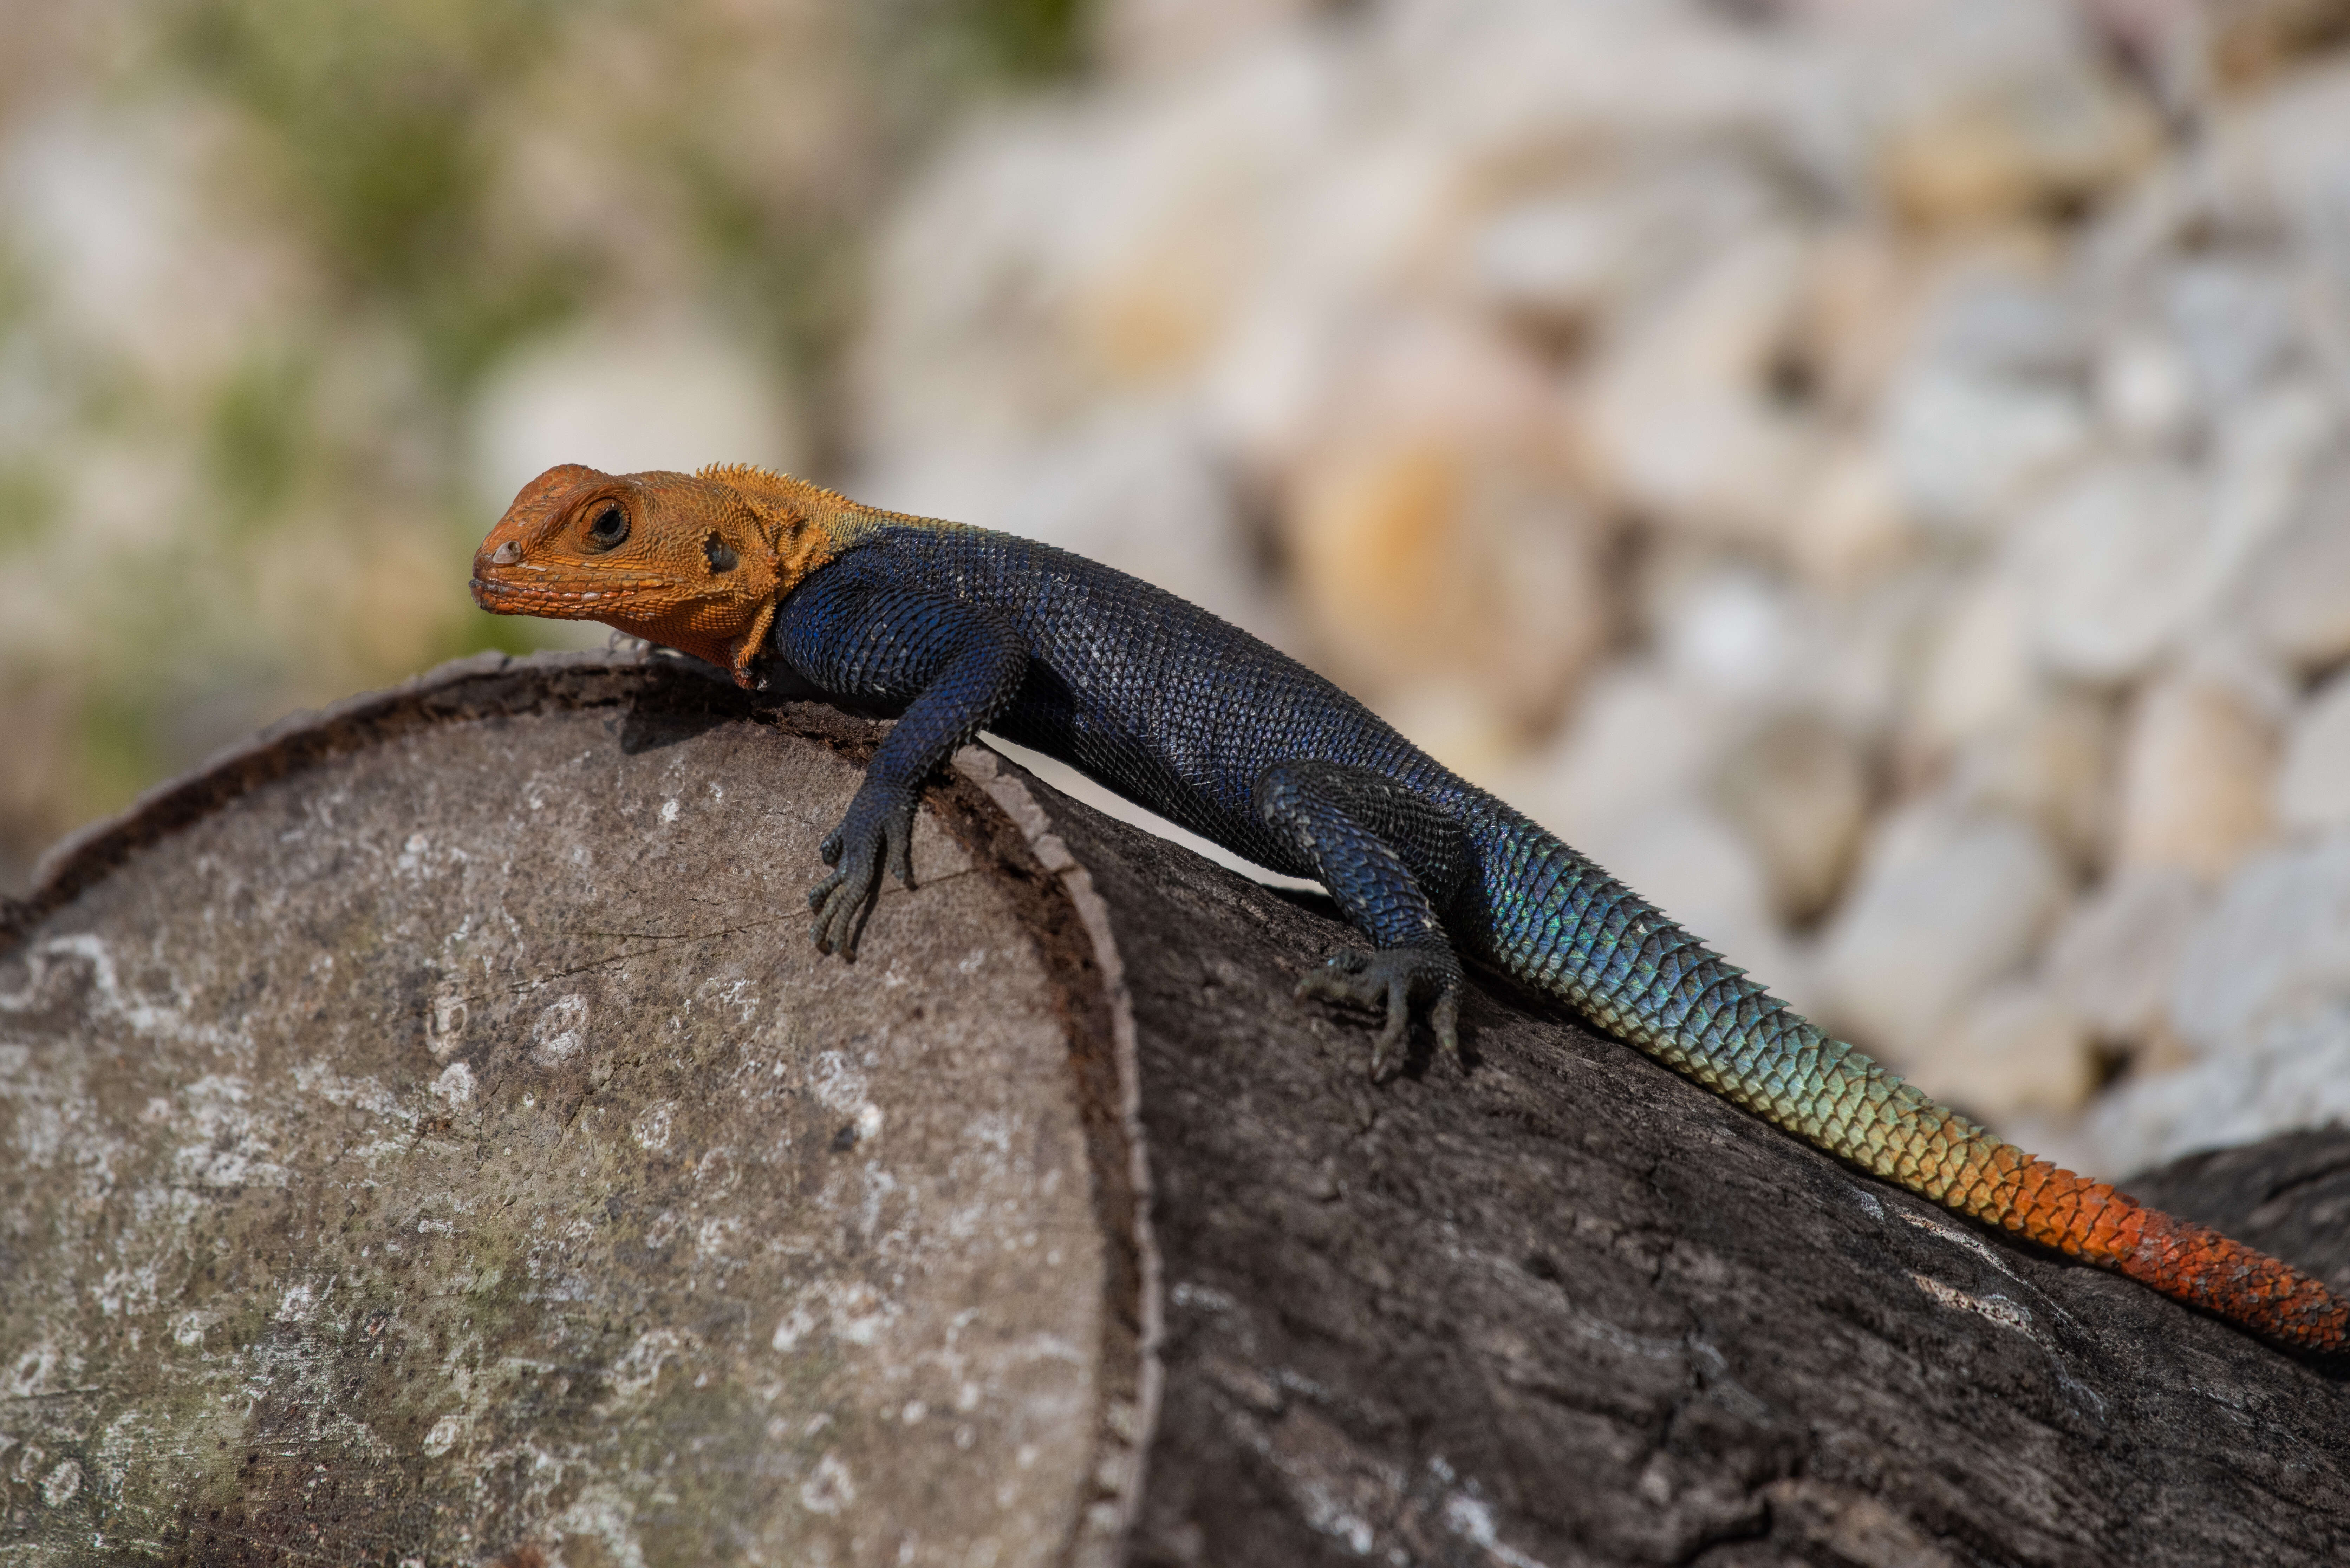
1394, 981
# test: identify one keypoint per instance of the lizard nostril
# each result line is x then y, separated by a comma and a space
506, 555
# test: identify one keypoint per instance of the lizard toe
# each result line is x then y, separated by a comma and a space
1445, 1019
1344, 978
1387, 1048
1395, 982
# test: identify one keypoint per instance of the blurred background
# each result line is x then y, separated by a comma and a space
1872, 473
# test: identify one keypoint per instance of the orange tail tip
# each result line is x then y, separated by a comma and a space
2199, 1266
2184, 1261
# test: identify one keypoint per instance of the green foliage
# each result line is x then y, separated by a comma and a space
258, 439
30, 500
299, 463
1015, 42
375, 114
1027, 40
118, 747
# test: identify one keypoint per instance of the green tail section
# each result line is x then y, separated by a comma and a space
1557, 921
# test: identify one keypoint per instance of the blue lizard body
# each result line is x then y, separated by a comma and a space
965, 630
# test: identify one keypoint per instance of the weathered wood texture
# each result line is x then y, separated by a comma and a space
727, 1254
1573, 1309
436, 1139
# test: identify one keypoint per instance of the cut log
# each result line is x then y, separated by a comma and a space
429, 1137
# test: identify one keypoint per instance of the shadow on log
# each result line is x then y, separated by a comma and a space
429, 1137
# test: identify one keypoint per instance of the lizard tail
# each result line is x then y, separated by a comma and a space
1561, 924
2187, 1262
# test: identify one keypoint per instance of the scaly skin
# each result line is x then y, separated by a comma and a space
966, 629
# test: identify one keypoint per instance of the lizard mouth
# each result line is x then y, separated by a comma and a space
502, 597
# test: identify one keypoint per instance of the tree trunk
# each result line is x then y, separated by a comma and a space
431, 1138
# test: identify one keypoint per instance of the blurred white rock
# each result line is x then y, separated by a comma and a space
1111, 244
965, 338
1978, 672
1797, 790
2276, 949
1734, 633
1965, 443
1867, 294
2051, 763
2234, 322
2198, 767
2018, 1050
107, 221
2007, 321
2312, 788
1559, 262
1569, 256
2114, 958
2284, 157
1159, 37
1850, 529
2115, 566
1985, 111
2144, 388
1460, 720
1944, 904
626, 397
2295, 593
1637, 737
1681, 418
2270, 443
1418, 561
1509, 84
1432, 531
2290, 1075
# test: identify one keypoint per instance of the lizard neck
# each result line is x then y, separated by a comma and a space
808, 525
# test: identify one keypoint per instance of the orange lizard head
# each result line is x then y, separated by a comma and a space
695, 562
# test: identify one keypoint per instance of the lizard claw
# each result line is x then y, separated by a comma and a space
877, 832
1393, 980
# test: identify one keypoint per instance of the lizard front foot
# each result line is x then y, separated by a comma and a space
1397, 979
878, 830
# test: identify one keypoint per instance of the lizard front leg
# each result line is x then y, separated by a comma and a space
954, 666
1394, 862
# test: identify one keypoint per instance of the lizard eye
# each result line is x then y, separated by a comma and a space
610, 528
721, 554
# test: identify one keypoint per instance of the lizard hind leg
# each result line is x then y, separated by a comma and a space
1394, 861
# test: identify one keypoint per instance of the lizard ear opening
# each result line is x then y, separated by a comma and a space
719, 554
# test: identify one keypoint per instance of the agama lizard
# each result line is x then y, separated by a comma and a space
968, 629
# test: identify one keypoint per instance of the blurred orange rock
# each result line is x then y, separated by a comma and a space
1994, 111
1419, 559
